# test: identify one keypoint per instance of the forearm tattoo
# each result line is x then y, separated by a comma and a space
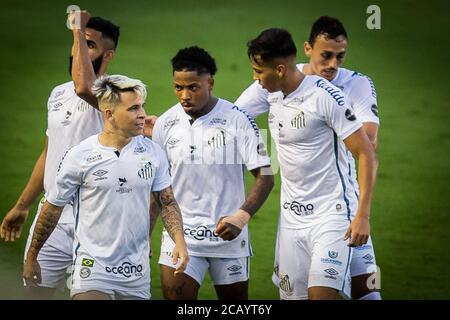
170, 211
46, 223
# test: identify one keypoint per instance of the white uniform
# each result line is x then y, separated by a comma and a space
206, 160
315, 205
111, 196
70, 120
361, 95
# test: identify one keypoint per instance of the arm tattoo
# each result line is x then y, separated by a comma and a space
260, 191
47, 221
155, 209
170, 211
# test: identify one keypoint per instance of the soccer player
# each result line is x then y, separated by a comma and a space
70, 120
208, 141
109, 177
326, 50
308, 117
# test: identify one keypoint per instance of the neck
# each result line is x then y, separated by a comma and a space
108, 138
212, 101
292, 81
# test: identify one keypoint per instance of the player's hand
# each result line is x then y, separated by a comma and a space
358, 232
149, 125
180, 256
32, 272
229, 227
77, 20
12, 224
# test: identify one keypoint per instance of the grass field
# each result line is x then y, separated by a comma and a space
407, 59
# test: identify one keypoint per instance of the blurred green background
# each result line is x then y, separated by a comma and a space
408, 60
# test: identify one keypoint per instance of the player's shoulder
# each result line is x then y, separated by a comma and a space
84, 151
237, 116
355, 81
143, 144
62, 90
169, 117
325, 89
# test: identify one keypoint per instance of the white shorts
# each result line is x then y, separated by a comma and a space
316, 256
55, 256
222, 270
115, 294
88, 275
363, 260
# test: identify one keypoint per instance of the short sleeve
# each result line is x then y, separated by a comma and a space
338, 114
162, 176
254, 100
251, 146
68, 180
365, 100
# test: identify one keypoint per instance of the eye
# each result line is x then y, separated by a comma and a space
326, 55
341, 56
193, 88
178, 88
91, 44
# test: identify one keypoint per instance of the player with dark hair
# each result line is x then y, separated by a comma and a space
208, 142
326, 50
310, 120
70, 120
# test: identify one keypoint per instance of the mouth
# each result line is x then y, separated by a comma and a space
187, 106
140, 125
328, 73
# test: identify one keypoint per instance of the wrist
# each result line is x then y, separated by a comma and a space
242, 215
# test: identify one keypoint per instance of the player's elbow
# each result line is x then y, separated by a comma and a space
83, 92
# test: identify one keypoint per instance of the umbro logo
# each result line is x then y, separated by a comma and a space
100, 173
368, 257
331, 272
234, 268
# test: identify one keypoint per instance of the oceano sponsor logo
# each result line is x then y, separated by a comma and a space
126, 269
335, 93
200, 233
299, 209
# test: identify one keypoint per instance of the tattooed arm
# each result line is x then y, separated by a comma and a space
45, 225
173, 223
229, 227
155, 209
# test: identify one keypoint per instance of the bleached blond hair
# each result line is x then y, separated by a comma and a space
108, 88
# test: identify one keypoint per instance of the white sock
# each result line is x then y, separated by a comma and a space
371, 296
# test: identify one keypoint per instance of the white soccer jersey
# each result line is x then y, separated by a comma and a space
206, 161
359, 92
306, 127
111, 195
70, 121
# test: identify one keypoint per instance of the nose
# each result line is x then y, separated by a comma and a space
333, 63
185, 96
141, 113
